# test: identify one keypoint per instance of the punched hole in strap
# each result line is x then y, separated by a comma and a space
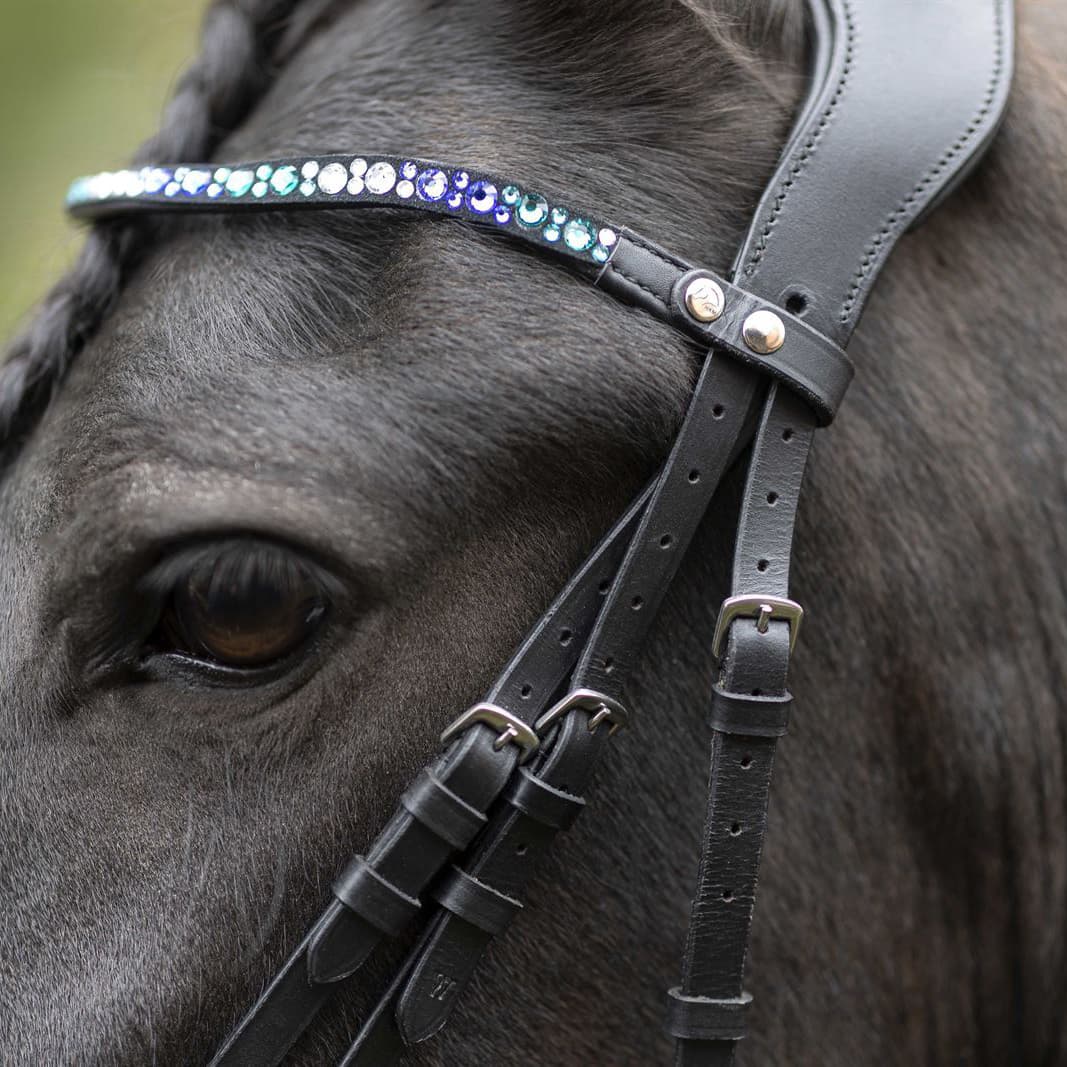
363, 890
475, 902
748, 715
692, 1018
542, 802
444, 813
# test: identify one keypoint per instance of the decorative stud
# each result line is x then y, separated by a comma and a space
432, 185
764, 332
381, 177
704, 299
481, 197
333, 178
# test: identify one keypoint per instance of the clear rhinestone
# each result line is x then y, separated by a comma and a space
358, 167
409, 170
355, 186
578, 235
333, 178
551, 233
510, 195
404, 189
381, 177
532, 211
308, 188
432, 185
214, 190
239, 182
309, 169
180, 173
607, 237
259, 190
195, 181
155, 178
284, 180
559, 215
264, 171
481, 197
222, 174
171, 189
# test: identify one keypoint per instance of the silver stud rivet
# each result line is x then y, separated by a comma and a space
764, 332
704, 299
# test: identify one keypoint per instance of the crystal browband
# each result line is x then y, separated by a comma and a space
336, 180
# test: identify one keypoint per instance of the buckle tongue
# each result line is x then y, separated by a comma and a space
600, 706
762, 609
510, 728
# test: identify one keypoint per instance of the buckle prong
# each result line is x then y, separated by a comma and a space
600, 706
761, 608
510, 728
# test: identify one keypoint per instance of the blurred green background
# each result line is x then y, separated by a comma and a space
82, 83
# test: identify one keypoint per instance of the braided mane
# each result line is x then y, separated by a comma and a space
243, 43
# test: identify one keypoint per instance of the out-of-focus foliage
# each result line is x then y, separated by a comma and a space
82, 82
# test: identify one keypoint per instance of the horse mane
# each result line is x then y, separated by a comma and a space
244, 44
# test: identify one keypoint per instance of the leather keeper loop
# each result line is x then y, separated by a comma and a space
542, 802
749, 716
363, 890
475, 902
706, 1019
442, 812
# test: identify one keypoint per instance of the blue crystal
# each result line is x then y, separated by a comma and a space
532, 211
481, 197
408, 170
455, 200
432, 185
559, 215
578, 235
502, 215
550, 233
461, 179
171, 189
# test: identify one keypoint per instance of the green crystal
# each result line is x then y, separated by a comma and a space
284, 180
578, 235
239, 182
532, 211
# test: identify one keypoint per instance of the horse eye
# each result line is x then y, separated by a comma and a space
246, 606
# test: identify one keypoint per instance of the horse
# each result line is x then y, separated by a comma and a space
395, 438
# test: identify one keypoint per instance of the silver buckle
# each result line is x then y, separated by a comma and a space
762, 609
601, 709
512, 730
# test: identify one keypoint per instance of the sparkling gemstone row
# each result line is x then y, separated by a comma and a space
455, 190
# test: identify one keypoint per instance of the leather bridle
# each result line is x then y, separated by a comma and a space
891, 122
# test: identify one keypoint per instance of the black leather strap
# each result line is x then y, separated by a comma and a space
747, 715
407, 853
387, 908
707, 1019
542, 802
443, 812
876, 48
476, 902
646, 275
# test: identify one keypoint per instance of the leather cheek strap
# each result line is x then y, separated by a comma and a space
809, 363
